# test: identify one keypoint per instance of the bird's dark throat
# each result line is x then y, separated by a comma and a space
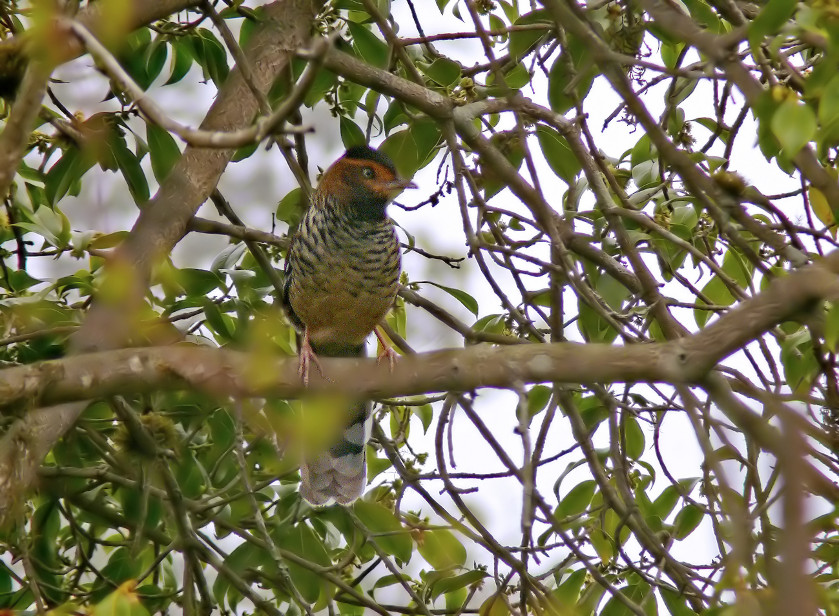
368, 208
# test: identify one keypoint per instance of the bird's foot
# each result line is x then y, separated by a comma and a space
386, 352
307, 357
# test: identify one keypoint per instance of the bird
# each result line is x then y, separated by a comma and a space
342, 274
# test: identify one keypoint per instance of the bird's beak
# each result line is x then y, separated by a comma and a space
395, 187
402, 184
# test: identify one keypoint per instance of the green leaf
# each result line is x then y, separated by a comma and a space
603, 545
368, 46
198, 282
210, 55
494, 606
666, 501
163, 151
831, 327
704, 15
425, 413
799, 361
537, 399
394, 116
670, 53
576, 501
683, 88
718, 294
376, 465
302, 541
469, 302
20, 280
568, 592
413, 148
593, 326
442, 71
129, 166
558, 153
676, 602
523, 42
582, 73
642, 151
244, 152
155, 57
634, 438
455, 582
182, 59
441, 549
402, 150
190, 475
636, 594
386, 530
291, 207
771, 19
686, 521
491, 323
5, 581
51, 224
592, 411
133, 56
66, 173
109, 240
121, 602
351, 134
821, 208
829, 108
794, 125
517, 77
220, 323
122, 565
324, 81
510, 145
240, 560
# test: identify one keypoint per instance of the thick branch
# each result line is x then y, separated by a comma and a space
688, 360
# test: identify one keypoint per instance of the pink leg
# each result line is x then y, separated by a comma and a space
387, 350
307, 357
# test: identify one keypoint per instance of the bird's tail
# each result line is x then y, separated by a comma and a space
340, 472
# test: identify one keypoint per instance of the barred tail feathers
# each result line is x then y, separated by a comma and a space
340, 472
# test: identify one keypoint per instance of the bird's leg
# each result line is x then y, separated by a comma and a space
387, 350
307, 357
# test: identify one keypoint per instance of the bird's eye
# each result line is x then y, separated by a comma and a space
368, 173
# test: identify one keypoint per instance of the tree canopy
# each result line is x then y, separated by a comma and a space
633, 408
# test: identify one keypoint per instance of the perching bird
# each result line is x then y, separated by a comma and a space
342, 273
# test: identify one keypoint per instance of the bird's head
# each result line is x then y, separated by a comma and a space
364, 181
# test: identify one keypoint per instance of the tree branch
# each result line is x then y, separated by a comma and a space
687, 360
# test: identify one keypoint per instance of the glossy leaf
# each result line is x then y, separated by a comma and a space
163, 151
441, 549
368, 46
576, 501
558, 153
387, 531
794, 125
686, 521
468, 302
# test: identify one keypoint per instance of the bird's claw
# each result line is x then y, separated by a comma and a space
386, 352
307, 357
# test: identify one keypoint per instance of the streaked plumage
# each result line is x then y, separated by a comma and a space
342, 274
